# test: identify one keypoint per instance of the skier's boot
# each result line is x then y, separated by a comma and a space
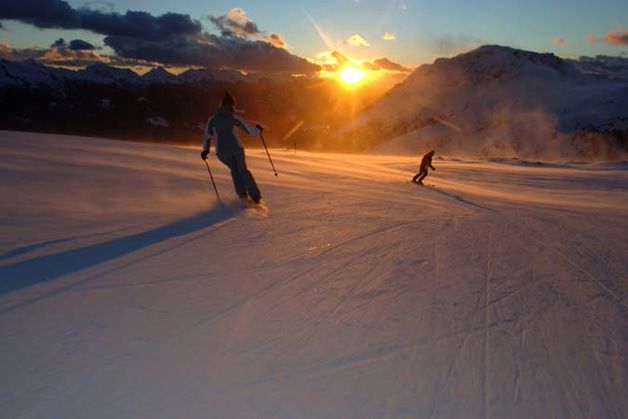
244, 198
256, 199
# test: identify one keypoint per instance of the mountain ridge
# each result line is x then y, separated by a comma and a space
497, 100
491, 101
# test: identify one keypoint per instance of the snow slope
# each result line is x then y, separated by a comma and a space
126, 292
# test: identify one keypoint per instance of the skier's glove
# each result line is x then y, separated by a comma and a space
204, 154
259, 127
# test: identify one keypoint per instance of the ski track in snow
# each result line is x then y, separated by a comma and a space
127, 292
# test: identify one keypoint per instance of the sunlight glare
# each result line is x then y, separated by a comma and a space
351, 75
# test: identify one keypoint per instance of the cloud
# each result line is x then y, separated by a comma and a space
72, 58
75, 45
593, 38
80, 45
235, 23
617, 37
334, 61
58, 54
59, 14
340, 58
277, 40
103, 6
357, 41
213, 51
559, 41
58, 43
7, 52
169, 39
389, 36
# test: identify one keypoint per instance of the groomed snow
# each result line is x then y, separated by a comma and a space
126, 292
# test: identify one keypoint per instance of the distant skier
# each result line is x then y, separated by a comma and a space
229, 148
426, 162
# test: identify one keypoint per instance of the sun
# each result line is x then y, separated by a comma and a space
352, 75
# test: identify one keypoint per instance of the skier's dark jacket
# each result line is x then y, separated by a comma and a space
427, 161
223, 125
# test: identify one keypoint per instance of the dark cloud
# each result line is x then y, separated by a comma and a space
80, 45
212, 51
58, 54
235, 23
41, 13
58, 43
59, 14
277, 40
618, 37
103, 6
171, 38
75, 45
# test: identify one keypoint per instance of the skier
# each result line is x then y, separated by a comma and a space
229, 148
426, 162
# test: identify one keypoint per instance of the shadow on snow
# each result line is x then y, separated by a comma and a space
462, 200
47, 268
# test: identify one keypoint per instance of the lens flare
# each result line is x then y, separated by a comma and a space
352, 75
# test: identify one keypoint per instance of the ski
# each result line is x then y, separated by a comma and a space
425, 185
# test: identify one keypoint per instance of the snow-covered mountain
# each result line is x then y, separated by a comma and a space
196, 75
159, 75
106, 74
499, 101
493, 101
604, 65
33, 74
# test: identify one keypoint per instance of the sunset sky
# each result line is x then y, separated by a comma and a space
407, 32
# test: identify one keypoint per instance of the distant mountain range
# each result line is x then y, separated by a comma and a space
492, 101
33, 74
102, 100
500, 101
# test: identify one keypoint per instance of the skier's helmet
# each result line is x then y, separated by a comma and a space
228, 100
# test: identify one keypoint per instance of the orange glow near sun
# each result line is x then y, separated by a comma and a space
351, 75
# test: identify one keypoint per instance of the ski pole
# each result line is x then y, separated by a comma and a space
261, 136
213, 182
